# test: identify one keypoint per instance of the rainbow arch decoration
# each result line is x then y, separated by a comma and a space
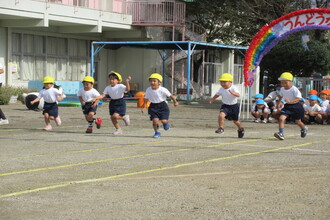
270, 34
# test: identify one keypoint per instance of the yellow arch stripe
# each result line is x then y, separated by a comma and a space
155, 170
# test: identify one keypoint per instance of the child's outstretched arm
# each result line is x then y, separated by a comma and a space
128, 87
60, 97
98, 97
175, 102
292, 100
34, 101
144, 107
234, 93
213, 99
82, 101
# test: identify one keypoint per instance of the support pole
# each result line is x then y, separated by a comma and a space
164, 66
92, 60
188, 71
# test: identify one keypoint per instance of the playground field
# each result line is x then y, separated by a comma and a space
188, 173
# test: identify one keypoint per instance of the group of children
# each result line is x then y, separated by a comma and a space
316, 108
287, 97
89, 98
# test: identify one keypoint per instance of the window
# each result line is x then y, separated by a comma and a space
39, 56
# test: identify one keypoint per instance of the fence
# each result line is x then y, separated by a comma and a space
157, 13
305, 84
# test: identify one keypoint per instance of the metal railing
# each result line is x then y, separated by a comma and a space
118, 6
146, 13
305, 84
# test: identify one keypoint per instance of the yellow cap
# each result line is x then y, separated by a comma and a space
48, 79
120, 79
156, 76
286, 76
226, 77
88, 79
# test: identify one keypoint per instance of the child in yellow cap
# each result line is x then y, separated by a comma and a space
229, 108
50, 95
117, 106
86, 95
292, 106
158, 109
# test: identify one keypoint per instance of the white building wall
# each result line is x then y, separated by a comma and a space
3, 53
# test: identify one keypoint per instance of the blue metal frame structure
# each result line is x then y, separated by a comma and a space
187, 47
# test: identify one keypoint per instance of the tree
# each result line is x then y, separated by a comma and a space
236, 22
289, 55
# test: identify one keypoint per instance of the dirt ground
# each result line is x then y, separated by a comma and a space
188, 173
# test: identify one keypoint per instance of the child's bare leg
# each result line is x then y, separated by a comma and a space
300, 124
46, 117
90, 117
114, 119
239, 125
318, 118
221, 120
281, 121
155, 124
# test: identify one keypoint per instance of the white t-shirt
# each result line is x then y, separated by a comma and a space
87, 96
158, 95
314, 108
324, 105
292, 93
116, 92
227, 97
49, 95
1, 67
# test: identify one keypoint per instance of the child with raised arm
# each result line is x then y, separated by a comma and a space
89, 108
292, 107
230, 108
50, 96
117, 106
158, 109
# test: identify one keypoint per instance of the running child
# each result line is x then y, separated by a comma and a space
230, 108
89, 108
117, 106
158, 109
292, 107
50, 96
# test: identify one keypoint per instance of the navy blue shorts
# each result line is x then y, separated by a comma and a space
295, 111
231, 111
51, 109
159, 110
117, 106
87, 108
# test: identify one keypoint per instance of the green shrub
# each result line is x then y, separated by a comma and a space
7, 91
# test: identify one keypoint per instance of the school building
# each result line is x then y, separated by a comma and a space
53, 38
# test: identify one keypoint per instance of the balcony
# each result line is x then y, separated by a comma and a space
66, 16
164, 13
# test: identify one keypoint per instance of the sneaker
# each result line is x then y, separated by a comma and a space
264, 121
258, 120
126, 120
156, 135
118, 131
58, 121
303, 132
89, 130
166, 126
240, 133
4, 121
219, 131
279, 136
48, 128
98, 122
